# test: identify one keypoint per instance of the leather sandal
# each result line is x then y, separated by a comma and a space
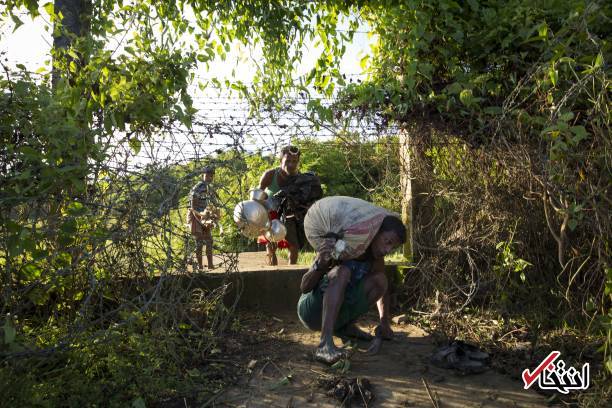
463, 357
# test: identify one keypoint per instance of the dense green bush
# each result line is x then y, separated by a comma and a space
506, 108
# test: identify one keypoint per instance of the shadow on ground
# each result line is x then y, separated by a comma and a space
278, 371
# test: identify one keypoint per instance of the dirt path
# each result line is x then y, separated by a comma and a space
282, 373
247, 261
274, 356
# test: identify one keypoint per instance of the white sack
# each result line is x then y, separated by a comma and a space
351, 222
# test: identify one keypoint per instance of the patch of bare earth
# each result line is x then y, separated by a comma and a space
274, 357
247, 261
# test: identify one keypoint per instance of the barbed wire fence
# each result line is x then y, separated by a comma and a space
121, 250
138, 196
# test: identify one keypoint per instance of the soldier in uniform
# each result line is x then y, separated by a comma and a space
203, 213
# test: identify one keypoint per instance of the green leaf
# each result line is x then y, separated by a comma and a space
598, 61
590, 305
454, 88
553, 74
325, 81
342, 366
14, 247
17, 21
12, 226
32, 271
281, 383
48, 8
76, 208
9, 332
466, 97
580, 133
492, 110
572, 224
69, 226
38, 296
186, 120
135, 145
364, 61
38, 254
543, 30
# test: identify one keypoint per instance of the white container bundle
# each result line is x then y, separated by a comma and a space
251, 217
352, 223
276, 232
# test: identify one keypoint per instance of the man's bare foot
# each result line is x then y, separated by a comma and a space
351, 330
329, 354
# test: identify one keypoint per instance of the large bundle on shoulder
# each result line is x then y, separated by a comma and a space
351, 222
297, 196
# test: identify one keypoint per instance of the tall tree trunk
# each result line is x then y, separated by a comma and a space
417, 210
406, 188
71, 29
75, 24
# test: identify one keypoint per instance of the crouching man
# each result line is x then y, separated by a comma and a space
336, 293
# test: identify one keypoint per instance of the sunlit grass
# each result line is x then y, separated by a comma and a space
307, 257
396, 257
304, 257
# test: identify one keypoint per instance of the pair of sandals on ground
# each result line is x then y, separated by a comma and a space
463, 357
